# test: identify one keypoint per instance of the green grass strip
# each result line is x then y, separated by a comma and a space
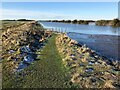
47, 72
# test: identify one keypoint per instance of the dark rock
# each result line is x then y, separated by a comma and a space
79, 45
72, 54
116, 84
93, 80
81, 65
74, 59
102, 79
89, 70
70, 83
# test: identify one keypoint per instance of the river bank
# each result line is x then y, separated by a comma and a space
87, 69
19, 44
105, 45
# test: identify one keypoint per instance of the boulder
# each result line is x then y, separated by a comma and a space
73, 42
89, 70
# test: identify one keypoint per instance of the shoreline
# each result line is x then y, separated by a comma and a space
99, 43
84, 63
95, 34
111, 61
108, 60
112, 23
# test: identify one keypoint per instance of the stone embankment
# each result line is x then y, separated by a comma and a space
87, 69
20, 43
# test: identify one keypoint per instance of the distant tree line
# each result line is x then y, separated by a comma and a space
114, 23
24, 20
72, 21
18, 20
8, 20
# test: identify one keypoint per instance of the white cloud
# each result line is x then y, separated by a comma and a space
16, 14
38, 15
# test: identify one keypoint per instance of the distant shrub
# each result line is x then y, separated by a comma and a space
114, 23
74, 21
24, 20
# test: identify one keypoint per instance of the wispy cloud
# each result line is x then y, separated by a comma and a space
17, 14
38, 15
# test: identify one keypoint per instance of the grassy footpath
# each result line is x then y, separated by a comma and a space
47, 72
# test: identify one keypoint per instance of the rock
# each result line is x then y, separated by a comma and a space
79, 45
91, 63
96, 57
89, 70
81, 65
72, 55
73, 42
4, 37
102, 79
116, 84
115, 62
84, 59
75, 77
74, 59
92, 52
93, 80
10, 58
108, 84
65, 37
41, 40
70, 64
96, 62
11, 51
73, 66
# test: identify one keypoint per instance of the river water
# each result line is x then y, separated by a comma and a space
104, 40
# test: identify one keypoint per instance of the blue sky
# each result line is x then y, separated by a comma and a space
60, 10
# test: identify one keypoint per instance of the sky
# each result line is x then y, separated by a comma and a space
60, 10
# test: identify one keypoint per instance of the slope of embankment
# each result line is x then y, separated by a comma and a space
87, 69
20, 40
